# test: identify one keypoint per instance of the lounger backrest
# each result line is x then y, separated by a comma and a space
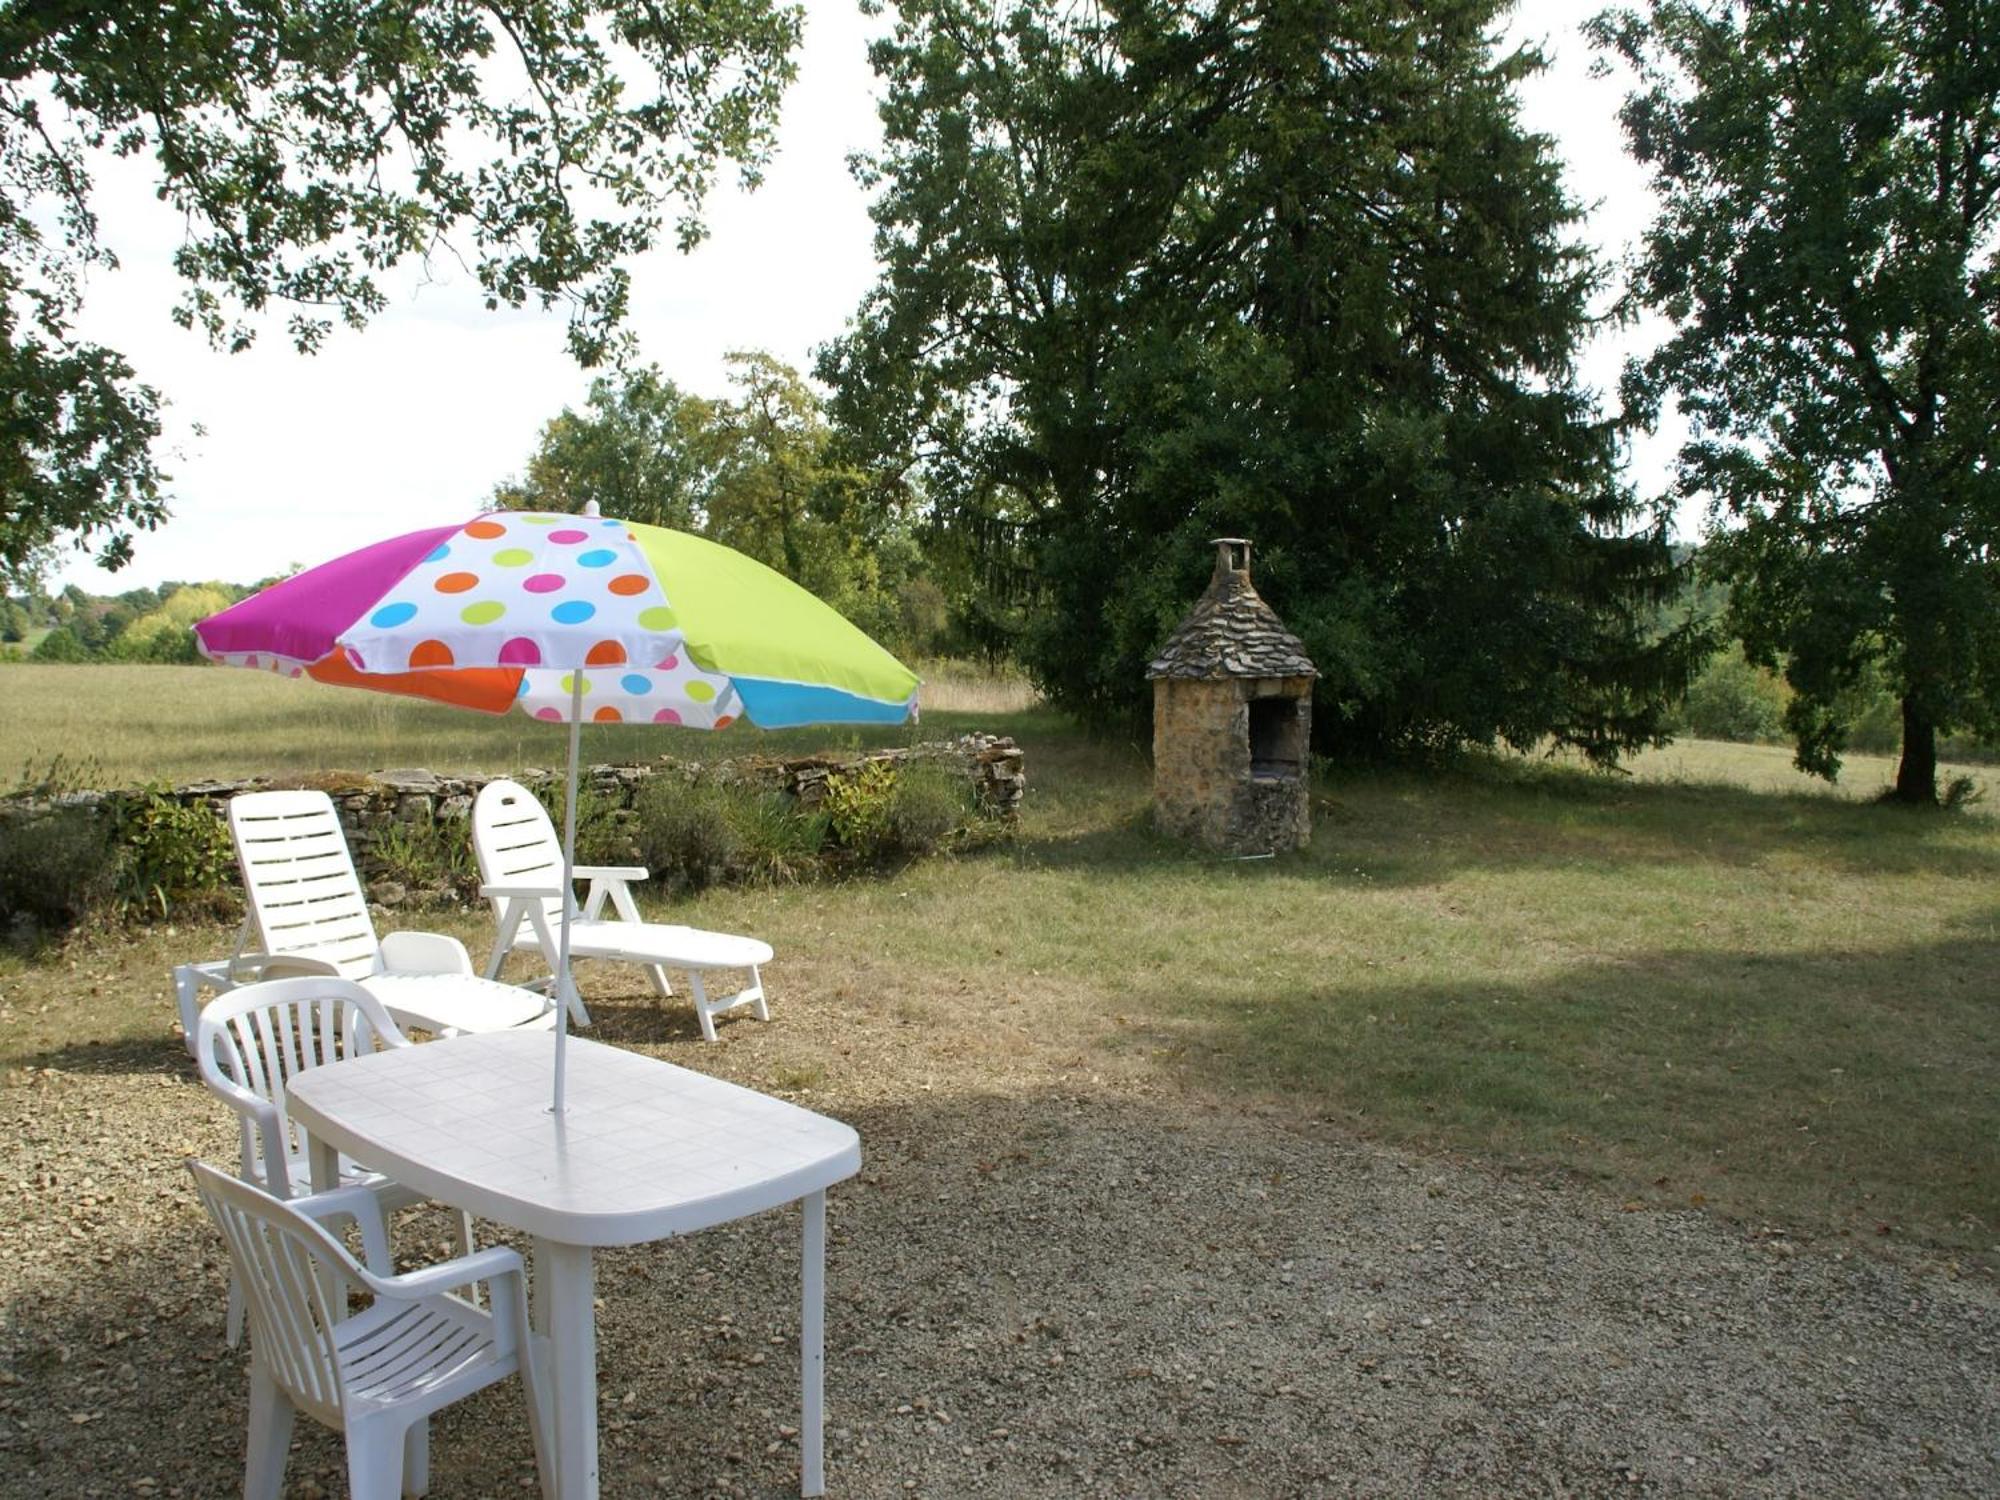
515, 843
305, 899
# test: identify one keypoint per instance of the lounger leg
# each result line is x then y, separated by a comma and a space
187, 990
698, 992
757, 983
658, 975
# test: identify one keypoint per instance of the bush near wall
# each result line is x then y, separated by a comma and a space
68, 852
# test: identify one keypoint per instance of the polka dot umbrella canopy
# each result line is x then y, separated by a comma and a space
570, 619
567, 617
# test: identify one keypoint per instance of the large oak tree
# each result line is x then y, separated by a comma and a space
310, 145
1156, 271
1829, 181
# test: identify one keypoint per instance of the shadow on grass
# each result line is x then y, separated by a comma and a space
1829, 1086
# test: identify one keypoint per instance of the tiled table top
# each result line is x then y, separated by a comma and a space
644, 1150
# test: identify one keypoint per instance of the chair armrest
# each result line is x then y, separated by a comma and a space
484, 1265
260, 1117
424, 953
612, 881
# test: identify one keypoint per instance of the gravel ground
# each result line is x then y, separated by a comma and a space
1046, 1282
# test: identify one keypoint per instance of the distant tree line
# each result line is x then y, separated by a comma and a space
139, 625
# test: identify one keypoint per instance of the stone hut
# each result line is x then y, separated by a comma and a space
1232, 719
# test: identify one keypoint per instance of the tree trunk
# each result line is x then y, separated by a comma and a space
1916, 776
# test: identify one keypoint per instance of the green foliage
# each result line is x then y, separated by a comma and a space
697, 832
1829, 187
171, 854
757, 470
60, 645
858, 807
640, 451
777, 841
430, 854
56, 869
928, 805
1733, 700
309, 147
685, 835
165, 632
1164, 271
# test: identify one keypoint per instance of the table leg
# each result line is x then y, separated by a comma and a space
563, 1312
812, 1347
323, 1163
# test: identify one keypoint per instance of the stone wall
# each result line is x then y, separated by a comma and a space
373, 807
1203, 788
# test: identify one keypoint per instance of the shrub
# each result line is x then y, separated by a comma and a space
777, 841
926, 806
170, 853
858, 808
1732, 700
685, 834
56, 868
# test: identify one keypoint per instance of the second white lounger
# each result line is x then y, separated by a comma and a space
520, 870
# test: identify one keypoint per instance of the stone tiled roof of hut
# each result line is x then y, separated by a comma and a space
1231, 632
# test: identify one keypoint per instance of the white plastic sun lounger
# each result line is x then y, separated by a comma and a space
520, 865
308, 915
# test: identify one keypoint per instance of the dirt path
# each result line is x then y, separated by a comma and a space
1044, 1284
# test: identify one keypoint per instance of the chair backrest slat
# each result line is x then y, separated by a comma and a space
299, 879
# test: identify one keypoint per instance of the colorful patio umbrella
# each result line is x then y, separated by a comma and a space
569, 618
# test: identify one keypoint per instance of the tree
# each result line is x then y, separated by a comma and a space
1829, 182
312, 144
642, 451
1159, 271
757, 470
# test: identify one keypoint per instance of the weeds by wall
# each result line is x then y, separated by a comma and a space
68, 851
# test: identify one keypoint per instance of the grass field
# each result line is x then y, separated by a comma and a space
1702, 984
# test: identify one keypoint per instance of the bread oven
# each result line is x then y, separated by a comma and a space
1232, 719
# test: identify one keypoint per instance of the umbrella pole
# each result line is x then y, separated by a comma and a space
565, 986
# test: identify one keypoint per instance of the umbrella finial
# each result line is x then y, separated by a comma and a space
590, 509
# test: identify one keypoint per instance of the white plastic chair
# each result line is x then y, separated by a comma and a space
520, 867
377, 1373
249, 1043
309, 915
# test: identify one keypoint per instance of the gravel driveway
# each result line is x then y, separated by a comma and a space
1045, 1283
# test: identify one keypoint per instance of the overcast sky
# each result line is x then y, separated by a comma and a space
279, 459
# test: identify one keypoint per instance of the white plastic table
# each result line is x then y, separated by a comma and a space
644, 1151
